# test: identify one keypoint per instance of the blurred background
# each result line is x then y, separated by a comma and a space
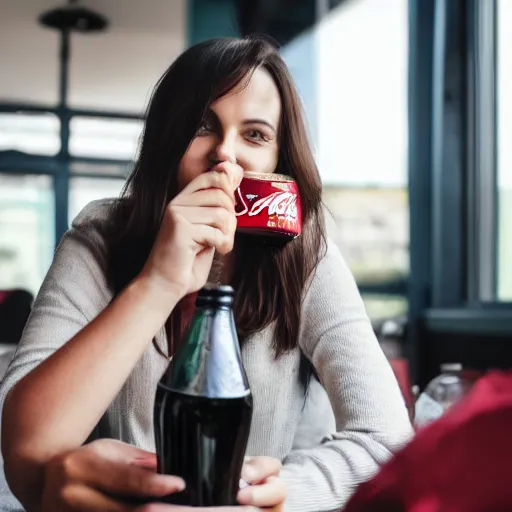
409, 105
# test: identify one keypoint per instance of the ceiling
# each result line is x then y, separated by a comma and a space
161, 16
112, 70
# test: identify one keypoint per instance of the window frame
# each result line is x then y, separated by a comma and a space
20, 171
453, 307
482, 226
59, 166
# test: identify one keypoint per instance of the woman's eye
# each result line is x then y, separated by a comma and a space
204, 129
256, 135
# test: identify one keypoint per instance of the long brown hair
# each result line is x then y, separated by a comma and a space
270, 281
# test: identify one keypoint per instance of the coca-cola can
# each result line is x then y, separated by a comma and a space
268, 205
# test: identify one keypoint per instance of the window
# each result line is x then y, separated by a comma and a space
37, 134
504, 157
361, 94
370, 225
104, 138
354, 88
84, 190
380, 307
26, 230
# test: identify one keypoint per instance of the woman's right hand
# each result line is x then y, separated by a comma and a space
111, 476
103, 476
197, 222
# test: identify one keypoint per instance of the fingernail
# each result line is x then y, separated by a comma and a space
249, 474
168, 480
244, 496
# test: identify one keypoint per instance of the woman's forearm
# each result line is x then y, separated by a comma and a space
56, 406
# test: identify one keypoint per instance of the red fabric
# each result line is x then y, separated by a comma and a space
185, 310
188, 306
460, 463
4, 294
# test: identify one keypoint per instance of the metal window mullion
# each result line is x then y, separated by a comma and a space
482, 169
396, 288
438, 144
21, 108
448, 155
99, 176
322, 9
420, 62
28, 164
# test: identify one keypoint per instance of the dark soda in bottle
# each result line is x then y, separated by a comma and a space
203, 406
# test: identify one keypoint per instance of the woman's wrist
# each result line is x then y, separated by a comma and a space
159, 295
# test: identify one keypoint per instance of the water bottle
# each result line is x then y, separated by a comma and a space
441, 393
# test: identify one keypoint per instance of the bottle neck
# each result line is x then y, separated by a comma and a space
208, 362
200, 336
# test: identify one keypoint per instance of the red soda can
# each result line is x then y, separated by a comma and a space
268, 205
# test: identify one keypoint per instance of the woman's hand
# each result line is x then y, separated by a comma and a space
111, 476
266, 490
105, 476
197, 222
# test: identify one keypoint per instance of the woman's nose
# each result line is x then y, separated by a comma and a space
224, 150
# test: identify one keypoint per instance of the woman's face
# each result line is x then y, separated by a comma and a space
242, 127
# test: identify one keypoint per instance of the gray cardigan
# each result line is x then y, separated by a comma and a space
348, 427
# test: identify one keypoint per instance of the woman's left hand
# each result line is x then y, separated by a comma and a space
265, 489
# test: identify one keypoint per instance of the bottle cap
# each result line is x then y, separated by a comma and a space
392, 328
451, 367
215, 295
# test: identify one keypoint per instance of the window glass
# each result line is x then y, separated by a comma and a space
380, 307
37, 134
371, 227
104, 138
84, 190
361, 93
27, 230
504, 249
354, 88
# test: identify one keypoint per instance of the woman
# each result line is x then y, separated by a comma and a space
117, 299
